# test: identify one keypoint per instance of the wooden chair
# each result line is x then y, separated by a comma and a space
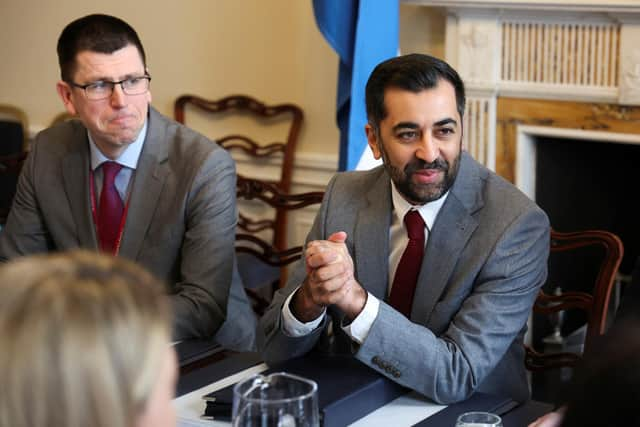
592, 259
14, 141
14, 130
260, 262
245, 105
10, 167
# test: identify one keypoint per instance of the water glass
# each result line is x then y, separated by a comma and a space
276, 400
479, 419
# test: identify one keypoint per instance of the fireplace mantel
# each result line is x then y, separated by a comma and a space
616, 6
584, 51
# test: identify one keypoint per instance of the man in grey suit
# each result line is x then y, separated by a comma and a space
173, 190
442, 311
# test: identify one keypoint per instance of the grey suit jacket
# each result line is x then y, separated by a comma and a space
485, 259
180, 224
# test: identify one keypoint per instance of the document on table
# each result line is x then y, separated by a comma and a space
190, 406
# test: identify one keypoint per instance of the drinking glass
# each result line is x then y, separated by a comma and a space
479, 419
276, 400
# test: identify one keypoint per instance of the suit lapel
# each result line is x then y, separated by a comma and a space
453, 227
75, 172
149, 179
372, 238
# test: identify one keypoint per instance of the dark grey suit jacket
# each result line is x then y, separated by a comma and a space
180, 224
485, 259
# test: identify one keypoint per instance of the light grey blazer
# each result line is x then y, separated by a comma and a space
485, 259
180, 224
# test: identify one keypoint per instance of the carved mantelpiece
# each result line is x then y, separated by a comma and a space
618, 6
611, 121
585, 52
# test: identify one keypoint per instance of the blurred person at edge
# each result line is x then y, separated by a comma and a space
85, 341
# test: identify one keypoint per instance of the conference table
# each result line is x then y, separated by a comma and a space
214, 370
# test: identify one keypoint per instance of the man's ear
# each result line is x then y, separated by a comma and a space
64, 90
146, 70
372, 139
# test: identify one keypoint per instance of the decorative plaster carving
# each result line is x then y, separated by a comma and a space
630, 85
478, 54
474, 43
475, 38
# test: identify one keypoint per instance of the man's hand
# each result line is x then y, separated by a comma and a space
330, 280
552, 419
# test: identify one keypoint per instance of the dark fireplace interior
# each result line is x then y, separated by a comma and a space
591, 185
584, 185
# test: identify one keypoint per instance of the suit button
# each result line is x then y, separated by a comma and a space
375, 360
396, 373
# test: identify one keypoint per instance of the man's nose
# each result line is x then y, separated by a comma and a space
428, 148
118, 97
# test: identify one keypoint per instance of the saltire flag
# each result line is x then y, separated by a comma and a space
363, 33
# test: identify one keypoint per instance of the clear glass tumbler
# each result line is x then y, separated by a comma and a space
479, 419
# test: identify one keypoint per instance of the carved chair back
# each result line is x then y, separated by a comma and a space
583, 265
260, 152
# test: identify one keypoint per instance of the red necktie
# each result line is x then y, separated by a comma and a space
404, 283
110, 208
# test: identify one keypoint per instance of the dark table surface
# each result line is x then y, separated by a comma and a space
219, 365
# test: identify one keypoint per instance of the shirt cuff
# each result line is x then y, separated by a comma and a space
361, 325
292, 326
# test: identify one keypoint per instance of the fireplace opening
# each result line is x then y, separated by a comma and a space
591, 185
581, 185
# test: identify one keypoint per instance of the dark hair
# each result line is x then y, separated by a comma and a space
96, 33
414, 72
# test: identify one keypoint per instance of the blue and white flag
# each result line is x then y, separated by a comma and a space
363, 33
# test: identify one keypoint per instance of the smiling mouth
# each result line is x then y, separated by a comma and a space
427, 176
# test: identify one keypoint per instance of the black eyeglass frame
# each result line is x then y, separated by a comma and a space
113, 84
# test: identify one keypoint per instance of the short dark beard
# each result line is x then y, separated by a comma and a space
419, 194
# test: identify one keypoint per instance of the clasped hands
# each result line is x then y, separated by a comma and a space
330, 280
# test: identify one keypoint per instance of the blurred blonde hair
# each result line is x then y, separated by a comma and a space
82, 340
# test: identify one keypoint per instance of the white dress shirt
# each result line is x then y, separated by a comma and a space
398, 239
128, 159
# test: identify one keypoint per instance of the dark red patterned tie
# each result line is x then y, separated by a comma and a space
110, 208
404, 283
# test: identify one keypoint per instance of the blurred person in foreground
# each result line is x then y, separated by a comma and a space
125, 180
424, 268
606, 388
85, 341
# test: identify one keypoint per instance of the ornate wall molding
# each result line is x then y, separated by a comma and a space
583, 51
624, 6
611, 122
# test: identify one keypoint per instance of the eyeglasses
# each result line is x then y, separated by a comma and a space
103, 89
